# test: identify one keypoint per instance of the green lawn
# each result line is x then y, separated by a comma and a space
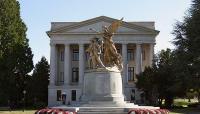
18, 112
185, 111
184, 102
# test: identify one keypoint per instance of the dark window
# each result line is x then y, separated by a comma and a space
61, 78
143, 54
132, 95
130, 55
75, 55
62, 56
58, 95
75, 74
130, 73
87, 56
73, 95
119, 51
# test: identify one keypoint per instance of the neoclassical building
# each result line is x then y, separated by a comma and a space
68, 60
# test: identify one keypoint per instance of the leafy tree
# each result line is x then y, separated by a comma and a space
15, 53
146, 82
160, 82
187, 42
39, 82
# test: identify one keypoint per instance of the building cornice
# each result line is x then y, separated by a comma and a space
98, 19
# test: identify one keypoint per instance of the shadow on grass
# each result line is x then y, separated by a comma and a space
185, 111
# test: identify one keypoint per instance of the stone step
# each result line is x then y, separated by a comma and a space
100, 112
102, 109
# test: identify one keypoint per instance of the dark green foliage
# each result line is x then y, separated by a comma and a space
15, 53
187, 44
39, 83
160, 82
146, 82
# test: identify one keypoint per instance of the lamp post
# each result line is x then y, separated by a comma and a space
24, 92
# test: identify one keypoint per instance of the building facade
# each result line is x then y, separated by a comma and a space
68, 60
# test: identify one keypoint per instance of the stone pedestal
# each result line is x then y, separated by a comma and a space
103, 85
103, 94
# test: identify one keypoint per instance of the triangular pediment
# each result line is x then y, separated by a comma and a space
98, 22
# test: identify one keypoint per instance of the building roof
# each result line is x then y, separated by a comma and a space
67, 27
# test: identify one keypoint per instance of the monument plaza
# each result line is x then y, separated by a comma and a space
72, 65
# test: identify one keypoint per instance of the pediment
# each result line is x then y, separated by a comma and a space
98, 23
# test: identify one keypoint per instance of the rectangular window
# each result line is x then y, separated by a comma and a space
75, 55
61, 78
130, 55
58, 95
143, 54
62, 56
130, 73
75, 74
87, 56
119, 51
73, 97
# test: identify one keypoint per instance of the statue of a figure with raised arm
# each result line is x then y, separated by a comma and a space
111, 57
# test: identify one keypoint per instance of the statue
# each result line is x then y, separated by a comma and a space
110, 55
94, 51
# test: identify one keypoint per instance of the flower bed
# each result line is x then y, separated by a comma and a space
53, 111
148, 111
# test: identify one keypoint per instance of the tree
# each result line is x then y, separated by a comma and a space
146, 82
160, 82
39, 82
15, 53
187, 40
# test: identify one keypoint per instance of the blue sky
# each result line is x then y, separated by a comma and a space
37, 15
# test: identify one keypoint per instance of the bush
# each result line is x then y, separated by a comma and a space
39, 105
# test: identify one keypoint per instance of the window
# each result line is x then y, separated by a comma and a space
73, 97
130, 73
143, 54
75, 74
87, 56
58, 95
61, 78
62, 56
75, 55
130, 54
119, 51
132, 95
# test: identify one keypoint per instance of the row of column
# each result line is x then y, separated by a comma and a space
53, 63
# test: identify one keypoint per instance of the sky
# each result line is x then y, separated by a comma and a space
38, 14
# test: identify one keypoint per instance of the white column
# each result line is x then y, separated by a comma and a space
124, 57
151, 53
81, 63
53, 66
138, 58
66, 64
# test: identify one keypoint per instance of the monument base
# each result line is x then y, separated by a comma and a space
103, 85
103, 94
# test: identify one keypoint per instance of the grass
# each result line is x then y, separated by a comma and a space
18, 112
184, 102
185, 111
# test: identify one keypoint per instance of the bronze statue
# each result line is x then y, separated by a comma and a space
110, 55
94, 50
